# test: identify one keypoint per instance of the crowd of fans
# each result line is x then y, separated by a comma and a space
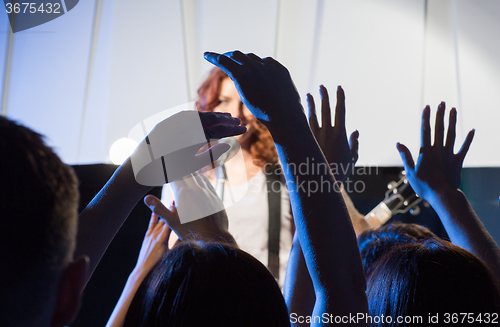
383, 277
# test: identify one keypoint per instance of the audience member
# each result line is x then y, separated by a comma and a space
41, 281
373, 244
431, 277
436, 178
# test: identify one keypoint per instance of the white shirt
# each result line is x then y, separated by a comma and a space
249, 219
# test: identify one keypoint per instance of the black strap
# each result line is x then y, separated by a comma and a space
274, 202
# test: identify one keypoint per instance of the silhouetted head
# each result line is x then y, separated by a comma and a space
373, 244
430, 277
200, 284
38, 216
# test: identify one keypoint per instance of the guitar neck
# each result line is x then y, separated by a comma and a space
378, 216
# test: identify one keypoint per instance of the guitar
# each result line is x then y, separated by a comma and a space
399, 198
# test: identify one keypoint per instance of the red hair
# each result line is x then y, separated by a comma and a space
261, 142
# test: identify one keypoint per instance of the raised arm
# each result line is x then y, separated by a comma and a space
102, 218
341, 156
436, 177
154, 246
340, 153
196, 198
324, 228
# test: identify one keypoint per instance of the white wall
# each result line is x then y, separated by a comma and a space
86, 78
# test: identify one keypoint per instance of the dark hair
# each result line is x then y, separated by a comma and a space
427, 278
204, 283
373, 244
261, 142
38, 206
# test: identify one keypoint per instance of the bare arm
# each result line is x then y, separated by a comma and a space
194, 191
436, 178
324, 228
340, 153
298, 290
102, 218
153, 248
341, 156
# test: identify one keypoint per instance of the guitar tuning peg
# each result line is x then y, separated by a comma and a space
415, 210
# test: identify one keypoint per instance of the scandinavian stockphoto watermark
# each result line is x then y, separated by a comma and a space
323, 183
173, 148
31, 13
453, 318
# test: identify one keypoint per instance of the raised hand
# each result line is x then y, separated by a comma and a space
154, 245
340, 154
217, 125
438, 169
202, 212
264, 85
171, 150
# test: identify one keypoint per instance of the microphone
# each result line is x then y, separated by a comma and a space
234, 146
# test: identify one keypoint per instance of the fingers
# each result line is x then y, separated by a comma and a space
157, 207
425, 140
272, 61
239, 57
211, 154
465, 147
405, 154
194, 182
313, 119
217, 125
208, 184
439, 126
165, 234
254, 57
160, 223
326, 115
451, 134
340, 109
354, 145
225, 63
153, 221
220, 131
210, 119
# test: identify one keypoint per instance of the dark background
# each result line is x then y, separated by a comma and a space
481, 185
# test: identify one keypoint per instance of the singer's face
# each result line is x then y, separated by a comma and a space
230, 102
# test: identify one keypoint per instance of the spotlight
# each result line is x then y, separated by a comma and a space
121, 150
